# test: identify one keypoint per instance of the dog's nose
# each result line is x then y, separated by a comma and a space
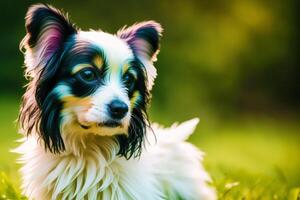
117, 109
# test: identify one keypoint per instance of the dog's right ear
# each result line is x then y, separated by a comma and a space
46, 31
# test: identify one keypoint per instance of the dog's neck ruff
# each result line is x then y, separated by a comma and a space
89, 168
168, 168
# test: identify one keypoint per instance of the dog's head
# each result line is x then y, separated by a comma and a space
87, 82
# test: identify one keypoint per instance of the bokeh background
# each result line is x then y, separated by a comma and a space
234, 64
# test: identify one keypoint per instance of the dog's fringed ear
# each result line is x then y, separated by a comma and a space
47, 29
144, 40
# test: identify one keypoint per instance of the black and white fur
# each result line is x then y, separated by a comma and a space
84, 117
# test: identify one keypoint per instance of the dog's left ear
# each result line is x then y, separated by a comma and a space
144, 40
46, 31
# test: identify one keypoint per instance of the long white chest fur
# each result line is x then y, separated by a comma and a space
169, 168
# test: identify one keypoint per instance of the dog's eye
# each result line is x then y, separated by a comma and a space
88, 75
129, 81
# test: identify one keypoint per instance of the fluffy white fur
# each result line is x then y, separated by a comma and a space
89, 168
168, 168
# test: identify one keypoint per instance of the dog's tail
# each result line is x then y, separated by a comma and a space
178, 163
176, 132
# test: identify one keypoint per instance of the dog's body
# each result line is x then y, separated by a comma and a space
84, 114
169, 168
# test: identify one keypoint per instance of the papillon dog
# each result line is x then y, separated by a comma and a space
84, 117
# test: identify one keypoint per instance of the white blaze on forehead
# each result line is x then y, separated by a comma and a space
116, 51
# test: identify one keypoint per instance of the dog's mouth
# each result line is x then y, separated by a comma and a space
109, 124
84, 126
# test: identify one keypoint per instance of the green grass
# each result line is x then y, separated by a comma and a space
253, 159
248, 158
9, 177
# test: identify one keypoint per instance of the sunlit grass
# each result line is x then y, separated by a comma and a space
8, 190
8, 135
248, 158
255, 158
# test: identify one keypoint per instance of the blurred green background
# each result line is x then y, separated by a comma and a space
234, 64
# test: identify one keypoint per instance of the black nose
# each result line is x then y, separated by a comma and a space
117, 109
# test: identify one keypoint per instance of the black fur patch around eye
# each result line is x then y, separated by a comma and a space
82, 53
131, 145
139, 82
